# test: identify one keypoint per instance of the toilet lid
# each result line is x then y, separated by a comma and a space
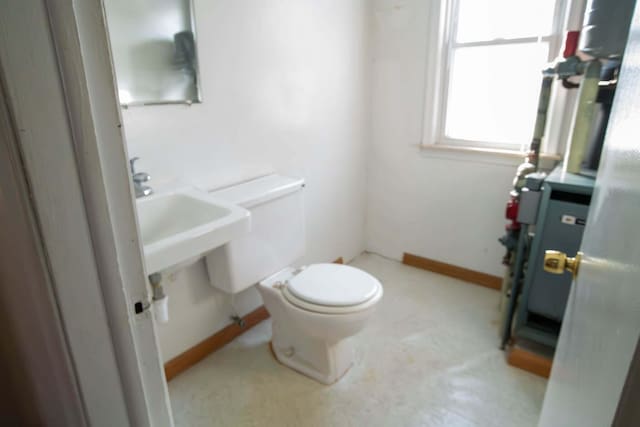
333, 285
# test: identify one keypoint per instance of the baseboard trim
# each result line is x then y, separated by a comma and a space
529, 361
201, 350
472, 276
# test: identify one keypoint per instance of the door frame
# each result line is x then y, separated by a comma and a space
55, 60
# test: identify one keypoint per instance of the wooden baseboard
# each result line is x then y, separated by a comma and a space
529, 361
472, 276
201, 350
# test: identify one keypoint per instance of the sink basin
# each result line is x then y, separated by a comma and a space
179, 226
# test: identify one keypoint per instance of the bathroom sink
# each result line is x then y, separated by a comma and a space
179, 226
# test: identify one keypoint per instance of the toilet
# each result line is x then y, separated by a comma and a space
317, 309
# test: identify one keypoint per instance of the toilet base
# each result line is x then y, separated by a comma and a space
326, 363
316, 344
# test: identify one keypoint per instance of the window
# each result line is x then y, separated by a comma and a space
493, 52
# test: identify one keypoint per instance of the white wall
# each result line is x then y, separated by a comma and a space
285, 88
332, 91
448, 207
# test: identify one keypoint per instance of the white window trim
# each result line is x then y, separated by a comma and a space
440, 47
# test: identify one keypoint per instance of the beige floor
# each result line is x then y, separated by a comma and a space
429, 357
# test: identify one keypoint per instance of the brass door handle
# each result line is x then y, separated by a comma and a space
557, 262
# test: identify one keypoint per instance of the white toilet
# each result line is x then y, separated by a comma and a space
315, 309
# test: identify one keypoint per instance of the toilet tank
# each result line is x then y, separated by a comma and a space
276, 239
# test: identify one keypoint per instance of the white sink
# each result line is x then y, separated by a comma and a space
179, 226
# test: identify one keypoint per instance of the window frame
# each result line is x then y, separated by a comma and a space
440, 65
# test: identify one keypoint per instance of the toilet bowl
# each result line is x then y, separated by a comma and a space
315, 312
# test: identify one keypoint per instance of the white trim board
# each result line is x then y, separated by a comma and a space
76, 163
104, 170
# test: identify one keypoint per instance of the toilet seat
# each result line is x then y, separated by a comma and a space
332, 289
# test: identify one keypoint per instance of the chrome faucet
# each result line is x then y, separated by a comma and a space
138, 179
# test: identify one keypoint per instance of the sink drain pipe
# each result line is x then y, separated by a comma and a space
160, 299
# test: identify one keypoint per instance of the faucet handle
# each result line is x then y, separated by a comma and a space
141, 177
132, 162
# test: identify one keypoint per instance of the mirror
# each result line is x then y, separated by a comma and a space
153, 44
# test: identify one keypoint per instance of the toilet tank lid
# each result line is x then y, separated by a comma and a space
259, 190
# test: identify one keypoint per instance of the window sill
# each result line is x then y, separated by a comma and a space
511, 154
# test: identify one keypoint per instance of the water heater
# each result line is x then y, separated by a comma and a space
606, 28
